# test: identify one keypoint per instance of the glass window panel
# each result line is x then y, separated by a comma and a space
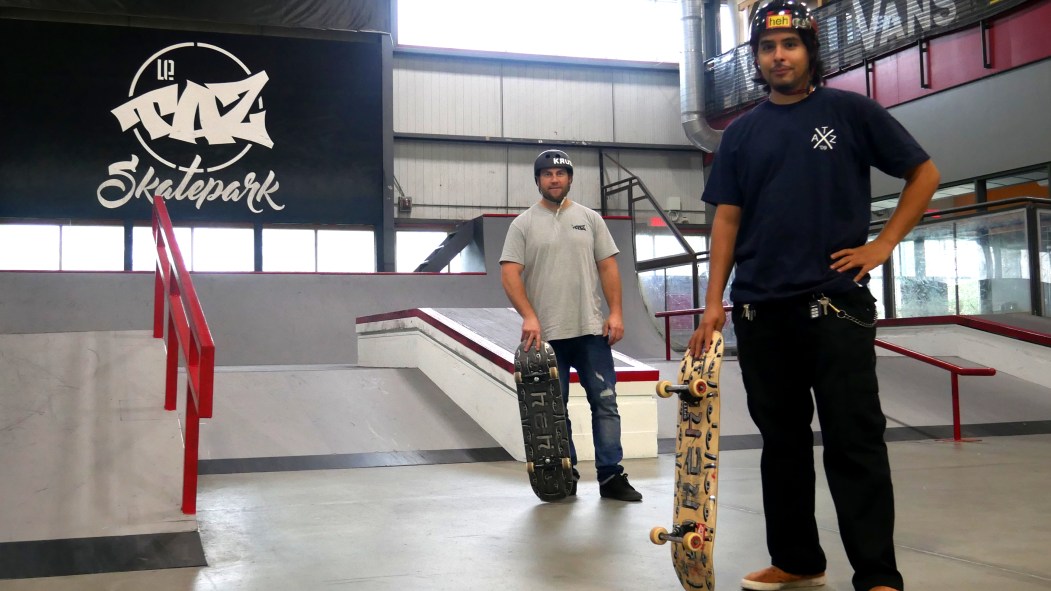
973, 266
29, 247
698, 243
92, 248
993, 264
290, 250
653, 238
1044, 232
1025, 184
415, 246
921, 288
346, 251
144, 250
954, 196
639, 30
223, 249
671, 289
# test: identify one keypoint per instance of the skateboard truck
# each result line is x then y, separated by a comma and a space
536, 377
566, 463
696, 388
690, 534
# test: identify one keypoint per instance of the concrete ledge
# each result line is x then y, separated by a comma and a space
478, 375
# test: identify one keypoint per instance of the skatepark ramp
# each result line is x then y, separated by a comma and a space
92, 458
469, 354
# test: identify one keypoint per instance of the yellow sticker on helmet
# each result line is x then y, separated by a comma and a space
779, 21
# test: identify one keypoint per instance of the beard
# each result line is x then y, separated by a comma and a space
556, 200
791, 87
796, 85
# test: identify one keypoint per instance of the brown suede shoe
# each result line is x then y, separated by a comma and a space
772, 578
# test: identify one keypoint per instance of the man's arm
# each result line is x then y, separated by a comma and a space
720, 262
920, 184
514, 287
609, 275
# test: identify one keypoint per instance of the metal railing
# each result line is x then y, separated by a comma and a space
954, 370
187, 331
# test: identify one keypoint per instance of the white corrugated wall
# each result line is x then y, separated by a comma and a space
476, 112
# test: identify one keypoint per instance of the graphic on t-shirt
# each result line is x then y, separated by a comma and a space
824, 138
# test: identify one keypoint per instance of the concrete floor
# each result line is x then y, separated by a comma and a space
971, 516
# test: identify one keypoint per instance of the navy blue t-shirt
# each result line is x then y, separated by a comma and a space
800, 174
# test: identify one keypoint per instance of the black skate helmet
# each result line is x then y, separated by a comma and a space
783, 14
793, 15
551, 159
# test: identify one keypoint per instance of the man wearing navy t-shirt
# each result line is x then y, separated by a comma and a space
792, 193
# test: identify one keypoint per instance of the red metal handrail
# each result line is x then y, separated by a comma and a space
666, 315
188, 330
954, 370
982, 324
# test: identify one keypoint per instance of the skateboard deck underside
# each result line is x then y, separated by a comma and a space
544, 426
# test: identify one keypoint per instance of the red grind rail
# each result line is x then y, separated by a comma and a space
186, 330
954, 370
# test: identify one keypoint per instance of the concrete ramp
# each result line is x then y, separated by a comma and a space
92, 462
469, 354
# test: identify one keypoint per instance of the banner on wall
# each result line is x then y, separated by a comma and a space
852, 31
97, 120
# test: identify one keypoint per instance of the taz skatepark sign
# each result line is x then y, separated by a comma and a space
97, 120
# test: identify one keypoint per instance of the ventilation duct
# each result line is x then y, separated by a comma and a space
691, 79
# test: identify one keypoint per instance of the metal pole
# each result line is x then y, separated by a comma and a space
955, 407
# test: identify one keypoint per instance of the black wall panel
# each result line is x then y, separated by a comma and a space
95, 120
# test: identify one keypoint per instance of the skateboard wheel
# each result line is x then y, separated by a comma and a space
518, 377
529, 467
697, 388
693, 541
553, 372
656, 535
662, 389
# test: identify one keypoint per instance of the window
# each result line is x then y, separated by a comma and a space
92, 248
223, 249
54, 247
1031, 183
144, 251
326, 251
346, 251
28, 247
289, 250
636, 30
414, 246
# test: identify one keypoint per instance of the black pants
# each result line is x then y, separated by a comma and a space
785, 353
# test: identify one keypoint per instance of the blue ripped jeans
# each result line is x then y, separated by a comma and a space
592, 357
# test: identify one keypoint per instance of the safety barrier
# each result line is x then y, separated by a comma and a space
186, 330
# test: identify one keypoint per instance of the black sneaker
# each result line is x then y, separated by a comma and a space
573, 485
618, 488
